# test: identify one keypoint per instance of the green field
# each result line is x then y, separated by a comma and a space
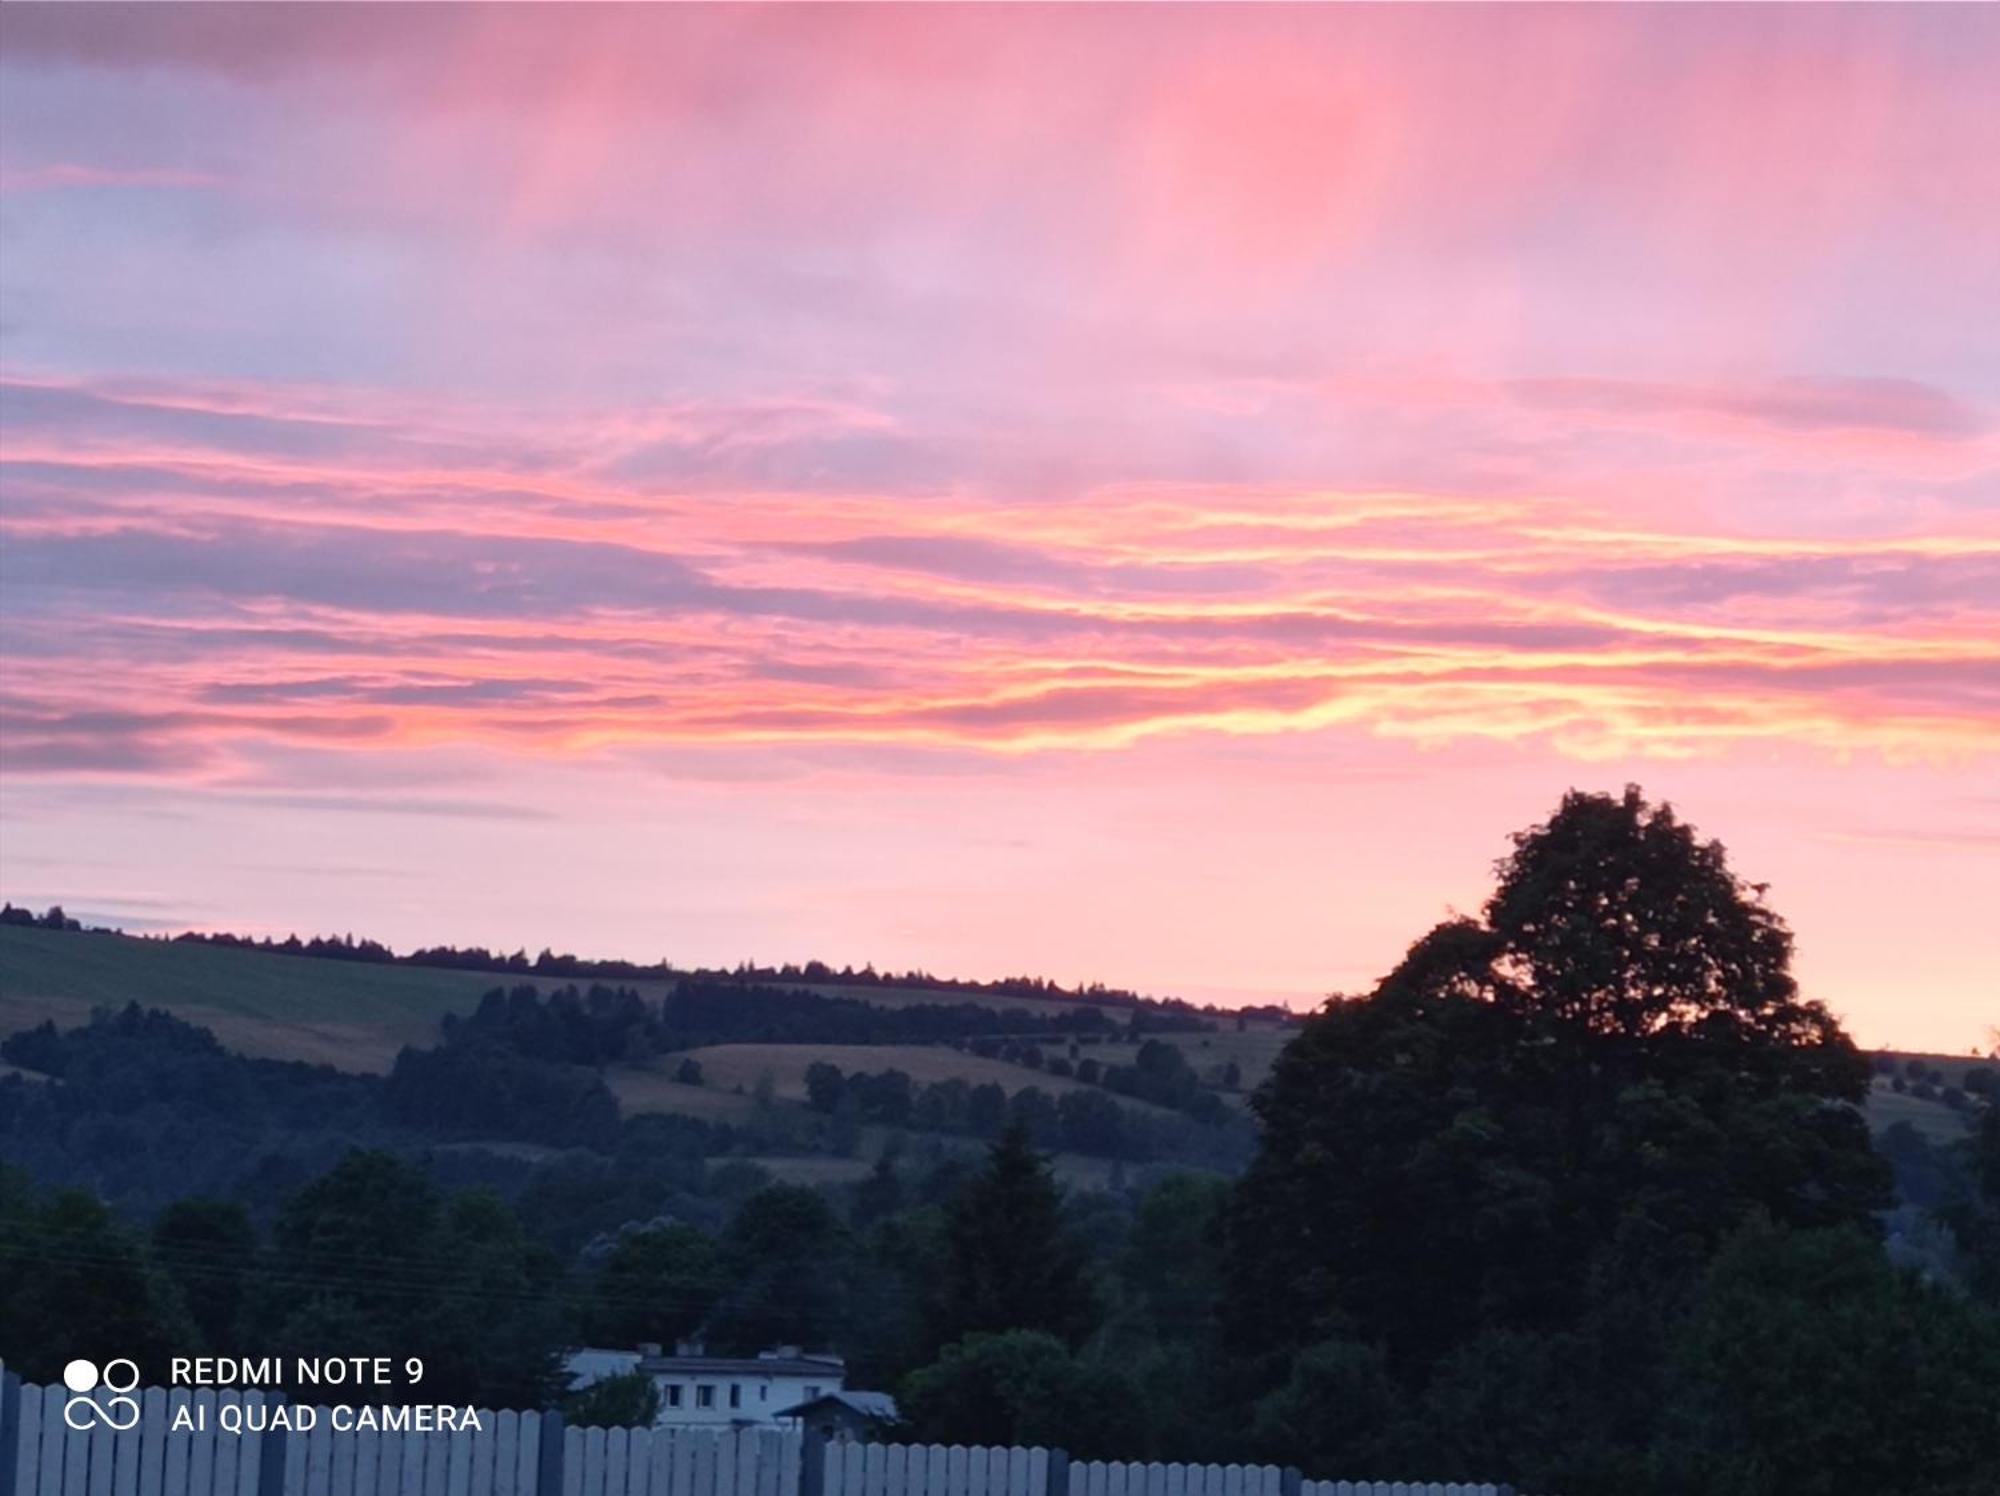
344, 1013
118, 968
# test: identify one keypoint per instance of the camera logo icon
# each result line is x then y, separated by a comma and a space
84, 1410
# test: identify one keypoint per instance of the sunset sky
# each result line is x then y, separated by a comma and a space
1141, 494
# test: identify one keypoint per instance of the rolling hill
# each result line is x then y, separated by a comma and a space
357, 1015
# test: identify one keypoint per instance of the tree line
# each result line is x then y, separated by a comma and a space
1086, 1121
564, 966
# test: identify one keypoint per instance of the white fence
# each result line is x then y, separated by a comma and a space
934, 1470
677, 1462
532, 1454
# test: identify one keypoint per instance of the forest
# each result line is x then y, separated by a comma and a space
1578, 1196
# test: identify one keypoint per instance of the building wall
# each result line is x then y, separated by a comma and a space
690, 1399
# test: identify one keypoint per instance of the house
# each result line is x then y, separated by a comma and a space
847, 1417
698, 1390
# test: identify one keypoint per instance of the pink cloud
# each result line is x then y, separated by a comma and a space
72, 175
1033, 452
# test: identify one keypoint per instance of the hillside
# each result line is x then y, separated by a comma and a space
356, 1015
347, 1014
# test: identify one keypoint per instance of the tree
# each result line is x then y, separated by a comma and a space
659, 1283
371, 1256
209, 1248
631, 1400
1024, 1387
1010, 1264
1170, 1261
881, 1193
1810, 1367
1336, 1409
495, 1329
787, 1258
825, 1085
1606, 1075
1973, 1210
74, 1282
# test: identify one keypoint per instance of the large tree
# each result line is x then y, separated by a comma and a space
1010, 1261
1600, 1079
371, 1256
658, 1283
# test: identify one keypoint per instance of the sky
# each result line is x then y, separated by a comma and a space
1150, 495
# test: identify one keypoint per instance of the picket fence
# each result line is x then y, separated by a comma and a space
534, 1454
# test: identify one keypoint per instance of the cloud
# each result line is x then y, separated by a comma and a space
719, 383
1904, 406
74, 175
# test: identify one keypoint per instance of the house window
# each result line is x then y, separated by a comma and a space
704, 1395
673, 1394
735, 1394
763, 1392
811, 1393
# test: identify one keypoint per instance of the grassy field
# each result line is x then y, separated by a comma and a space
117, 969
1253, 1050
348, 1013
1933, 1119
644, 1089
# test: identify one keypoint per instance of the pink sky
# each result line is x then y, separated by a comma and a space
1141, 494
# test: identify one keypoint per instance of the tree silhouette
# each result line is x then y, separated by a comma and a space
1610, 1072
1010, 1263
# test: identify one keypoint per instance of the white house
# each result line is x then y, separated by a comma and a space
702, 1391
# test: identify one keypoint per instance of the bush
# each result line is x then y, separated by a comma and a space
628, 1401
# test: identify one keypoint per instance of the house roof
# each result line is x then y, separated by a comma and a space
743, 1366
877, 1405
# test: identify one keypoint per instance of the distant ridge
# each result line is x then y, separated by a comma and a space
549, 964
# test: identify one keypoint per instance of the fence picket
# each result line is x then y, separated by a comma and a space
228, 1447
639, 1473
152, 1441
528, 1457
101, 1446
572, 1467
458, 1461
705, 1454
319, 1456
853, 1464
75, 1463
388, 1463
28, 1452
250, 1448
675, 1456
769, 1447
343, 1462
125, 1459
47, 1472
437, 1462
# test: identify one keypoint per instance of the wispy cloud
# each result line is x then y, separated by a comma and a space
418, 417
